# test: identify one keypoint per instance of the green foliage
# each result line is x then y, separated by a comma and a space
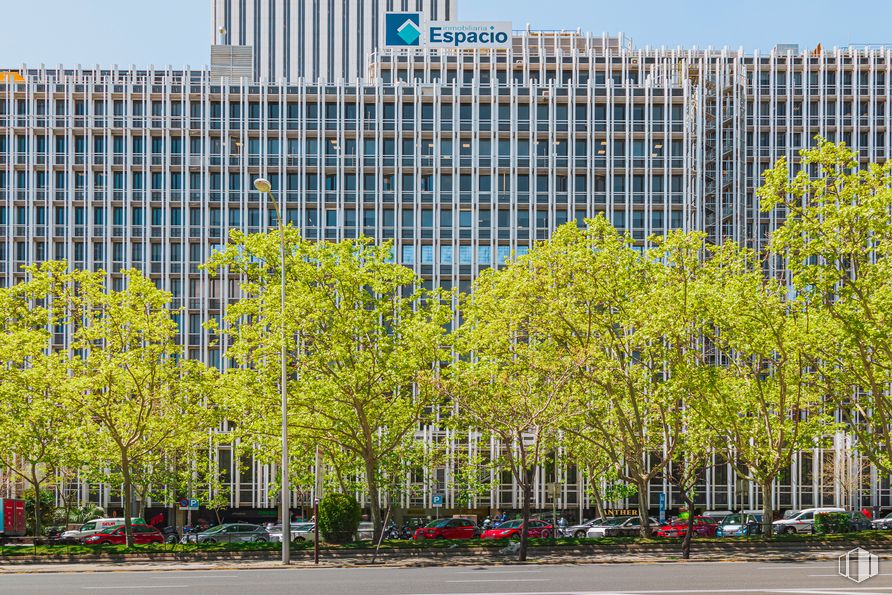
339, 516
832, 522
837, 243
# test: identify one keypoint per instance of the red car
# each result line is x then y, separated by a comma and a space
511, 530
703, 527
115, 536
446, 529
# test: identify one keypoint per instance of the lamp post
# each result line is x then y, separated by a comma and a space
263, 186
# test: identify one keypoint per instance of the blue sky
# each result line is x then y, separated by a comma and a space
177, 32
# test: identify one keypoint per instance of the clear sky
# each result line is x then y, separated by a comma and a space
177, 32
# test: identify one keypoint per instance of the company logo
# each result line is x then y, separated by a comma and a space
477, 35
403, 28
859, 565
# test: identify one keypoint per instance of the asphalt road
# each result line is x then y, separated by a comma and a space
818, 578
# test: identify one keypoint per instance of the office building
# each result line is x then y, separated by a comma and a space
459, 156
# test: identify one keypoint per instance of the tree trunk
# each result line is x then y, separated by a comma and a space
599, 501
686, 542
128, 504
527, 491
643, 516
767, 510
374, 502
35, 483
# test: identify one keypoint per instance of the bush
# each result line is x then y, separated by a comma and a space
832, 522
338, 518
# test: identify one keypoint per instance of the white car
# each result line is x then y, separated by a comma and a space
620, 526
801, 522
299, 532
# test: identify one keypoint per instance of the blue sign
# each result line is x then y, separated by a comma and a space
662, 507
402, 29
193, 502
184, 502
437, 500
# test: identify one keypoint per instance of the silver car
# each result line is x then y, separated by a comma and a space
299, 532
228, 533
580, 529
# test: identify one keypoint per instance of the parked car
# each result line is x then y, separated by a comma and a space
703, 527
512, 529
96, 525
717, 515
621, 526
446, 529
142, 534
883, 523
299, 532
802, 522
580, 529
228, 533
740, 525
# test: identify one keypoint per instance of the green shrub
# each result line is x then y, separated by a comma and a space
832, 522
338, 518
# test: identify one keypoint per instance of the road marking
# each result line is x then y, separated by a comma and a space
487, 571
762, 590
119, 587
502, 580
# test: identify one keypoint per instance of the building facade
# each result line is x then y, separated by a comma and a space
309, 40
459, 157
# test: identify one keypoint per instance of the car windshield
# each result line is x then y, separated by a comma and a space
88, 526
732, 519
301, 526
613, 522
112, 529
438, 523
216, 529
510, 525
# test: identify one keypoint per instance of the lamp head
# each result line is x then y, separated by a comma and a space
262, 185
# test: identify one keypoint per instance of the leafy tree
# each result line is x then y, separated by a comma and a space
761, 396
360, 332
631, 323
837, 243
510, 377
128, 377
38, 430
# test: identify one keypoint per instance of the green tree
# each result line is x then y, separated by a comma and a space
360, 333
39, 431
129, 379
509, 379
836, 242
762, 397
631, 322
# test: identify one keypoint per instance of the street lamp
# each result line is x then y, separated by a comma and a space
263, 186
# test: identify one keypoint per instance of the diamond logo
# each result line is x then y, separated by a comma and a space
409, 32
402, 29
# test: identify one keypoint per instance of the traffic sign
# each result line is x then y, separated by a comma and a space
437, 501
662, 507
188, 503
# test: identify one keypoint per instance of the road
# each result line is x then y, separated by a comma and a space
818, 578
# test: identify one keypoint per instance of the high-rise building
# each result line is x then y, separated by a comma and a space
312, 39
459, 156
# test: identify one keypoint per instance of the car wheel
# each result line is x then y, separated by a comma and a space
515, 537
260, 540
546, 534
106, 542
788, 531
212, 540
299, 539
579, 534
